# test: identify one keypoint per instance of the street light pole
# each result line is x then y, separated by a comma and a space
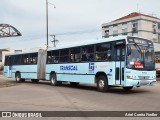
47, 23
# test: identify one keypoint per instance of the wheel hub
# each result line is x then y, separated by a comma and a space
101, 83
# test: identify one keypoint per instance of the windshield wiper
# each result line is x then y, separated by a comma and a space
139, 49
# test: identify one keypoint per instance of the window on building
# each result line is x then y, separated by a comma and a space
124, 24
159, 26
115, 25
115, 33
158, 37
124, 31
154, 28
105, 27
0, 56
106, 33
135, 27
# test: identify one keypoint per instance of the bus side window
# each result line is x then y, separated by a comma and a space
6, 60
64, 55
88, 53
17, 60
25, 59
123, 54
10, 60
33, 58
49, 55
118, 54
30, 59
14, 60
75, 54
103, 52
55, 56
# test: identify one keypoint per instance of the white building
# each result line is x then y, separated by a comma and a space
3, 52
134, 24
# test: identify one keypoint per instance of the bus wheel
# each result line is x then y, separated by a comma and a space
18, 77
54, 81
34, 80
102, 84
74, 83
127, 88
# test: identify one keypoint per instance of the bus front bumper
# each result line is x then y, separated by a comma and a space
138, 83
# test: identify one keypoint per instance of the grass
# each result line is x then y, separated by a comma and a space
1, 72
6, 84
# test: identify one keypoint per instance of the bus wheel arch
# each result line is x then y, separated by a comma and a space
100, 74
102, 81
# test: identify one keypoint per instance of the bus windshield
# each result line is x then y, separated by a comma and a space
140, 54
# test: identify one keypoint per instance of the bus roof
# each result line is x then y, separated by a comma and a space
19, 53
93, 41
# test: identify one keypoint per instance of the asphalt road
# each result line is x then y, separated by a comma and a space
44, 97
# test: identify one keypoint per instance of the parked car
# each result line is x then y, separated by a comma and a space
158, 72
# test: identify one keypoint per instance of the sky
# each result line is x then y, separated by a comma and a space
72, 21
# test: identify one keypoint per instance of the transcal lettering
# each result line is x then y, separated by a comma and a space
69, 67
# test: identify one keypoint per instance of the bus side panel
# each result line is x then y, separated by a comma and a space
80, 72
6, 71
27, 71
74, 72
76, 78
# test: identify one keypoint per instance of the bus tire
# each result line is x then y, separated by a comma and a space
127, 88
102, 83
53, 79
34, 80
74, 83
18, 77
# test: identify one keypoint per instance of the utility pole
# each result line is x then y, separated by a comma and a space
54, 40
47, 21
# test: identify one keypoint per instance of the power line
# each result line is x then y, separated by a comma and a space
78, 32
29, 36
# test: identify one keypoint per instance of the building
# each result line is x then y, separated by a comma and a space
3, 52
134, 24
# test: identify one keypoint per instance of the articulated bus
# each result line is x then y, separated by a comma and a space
117, 61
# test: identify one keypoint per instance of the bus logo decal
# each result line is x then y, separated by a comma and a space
91, 66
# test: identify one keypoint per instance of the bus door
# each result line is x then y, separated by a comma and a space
41, 65
9, 67
119, 64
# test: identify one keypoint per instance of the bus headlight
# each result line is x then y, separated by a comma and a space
129, 77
